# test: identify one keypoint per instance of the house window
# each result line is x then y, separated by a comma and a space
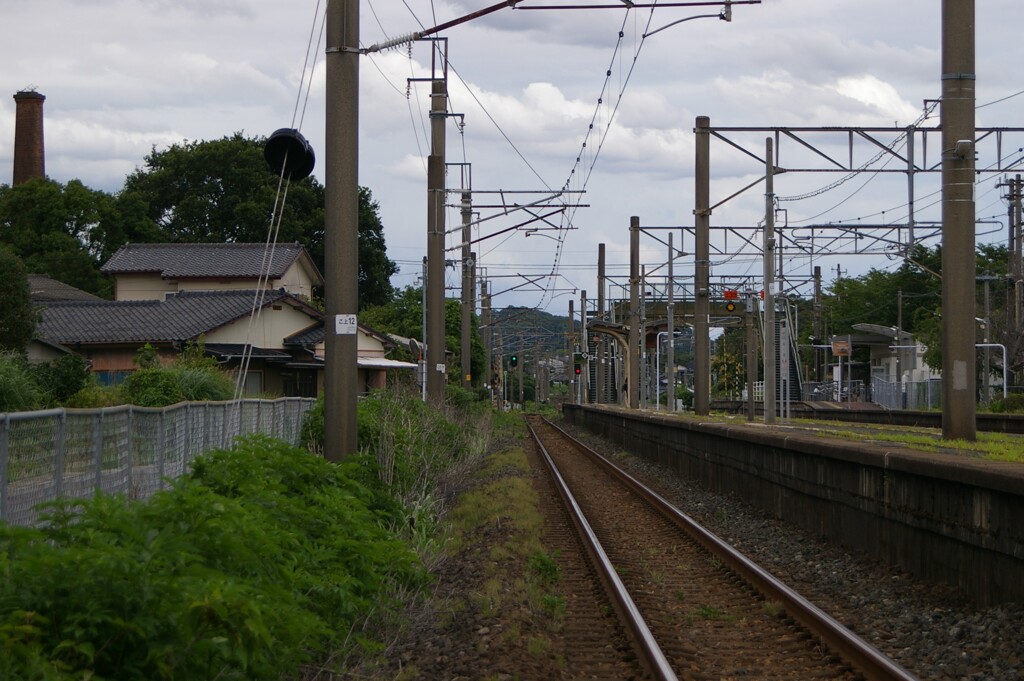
300, 383
253, 382
109, 378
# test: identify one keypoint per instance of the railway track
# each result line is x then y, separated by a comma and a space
688, 606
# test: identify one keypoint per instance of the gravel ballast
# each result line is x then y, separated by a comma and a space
924, 627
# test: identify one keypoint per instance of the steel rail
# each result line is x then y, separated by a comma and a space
648, 651
864, 657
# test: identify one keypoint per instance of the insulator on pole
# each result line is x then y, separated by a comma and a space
397, 41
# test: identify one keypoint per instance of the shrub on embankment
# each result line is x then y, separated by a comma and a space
264, 559
417, 451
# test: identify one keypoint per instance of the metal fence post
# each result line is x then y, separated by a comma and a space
4, 462
97, 444
58, 462
161, 447
187, 454
131, 453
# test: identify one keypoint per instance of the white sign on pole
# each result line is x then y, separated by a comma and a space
345, 325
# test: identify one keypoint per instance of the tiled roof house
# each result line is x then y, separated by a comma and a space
154, 271
171, 294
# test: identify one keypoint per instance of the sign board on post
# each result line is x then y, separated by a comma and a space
840, 348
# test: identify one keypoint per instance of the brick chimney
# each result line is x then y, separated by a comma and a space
28, 137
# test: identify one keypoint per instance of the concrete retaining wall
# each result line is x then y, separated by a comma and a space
941, 517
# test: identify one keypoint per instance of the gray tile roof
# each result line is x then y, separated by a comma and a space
307, 337
44, 289
206, 261
179, 318
316, 334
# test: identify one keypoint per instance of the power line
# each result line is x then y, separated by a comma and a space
1015, 94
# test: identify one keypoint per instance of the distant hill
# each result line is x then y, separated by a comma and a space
524, 328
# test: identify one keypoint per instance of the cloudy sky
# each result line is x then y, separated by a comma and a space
121, 77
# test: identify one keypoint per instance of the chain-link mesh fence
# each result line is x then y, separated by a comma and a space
123, 450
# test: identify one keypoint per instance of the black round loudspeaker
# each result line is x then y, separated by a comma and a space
289, 151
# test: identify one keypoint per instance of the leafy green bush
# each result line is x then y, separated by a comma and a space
311, 435
18, 392
165, 385
413, 442
265, 558
95, 397
458, 397
201, 383
686, 395
61, 378
156, 387
1014, 403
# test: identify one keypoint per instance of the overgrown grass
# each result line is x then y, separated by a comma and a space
523, 577
993, 446
265, 558
18, 392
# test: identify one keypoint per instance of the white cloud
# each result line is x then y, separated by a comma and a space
879, 95
122, 76
413, 168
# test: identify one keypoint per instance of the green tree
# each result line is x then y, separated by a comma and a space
219, 191
17, 317
403, 316
876, 297
223, 191
375, 268
58, 229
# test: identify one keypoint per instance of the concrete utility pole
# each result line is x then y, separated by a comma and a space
1016, 269
341, 238
569, 369
521, 356
817, 323
485, 313
959, 373
751, 354
670, 357
585, 344
435, 242
645, 384
986, 376
466, 344
769, 284
899, 349
702, 250
633, 353
602, 395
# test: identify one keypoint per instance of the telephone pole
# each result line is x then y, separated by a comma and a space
341, 240
633, 352
602, 392
571, 345
670, 357
466, 344
585, 346
769, 284
959, 372
702, 251
435, 242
